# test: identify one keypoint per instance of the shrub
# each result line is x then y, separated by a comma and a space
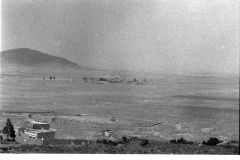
112, 143
104, 141
144, 143
124, 139
108, 142
113, 119
212, 141
180, 141
173, 141
102, 79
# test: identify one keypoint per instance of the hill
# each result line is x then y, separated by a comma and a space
30, 58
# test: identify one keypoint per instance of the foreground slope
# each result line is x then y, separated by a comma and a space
133, 147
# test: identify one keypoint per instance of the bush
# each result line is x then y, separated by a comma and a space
180, 141
212, 141
144, 143
112, 143
108, 142
113, 119
104, 141
173, 141
124, 139
103, 79
98, 141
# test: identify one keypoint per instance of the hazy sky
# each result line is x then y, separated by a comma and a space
167, 36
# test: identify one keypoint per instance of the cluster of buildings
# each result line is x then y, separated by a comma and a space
40, 133
34, 132
120, 79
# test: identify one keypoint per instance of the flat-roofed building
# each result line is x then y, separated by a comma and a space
34, 132
30, 136
39, 125
41, 134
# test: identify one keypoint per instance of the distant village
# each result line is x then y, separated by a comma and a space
114, 79
108, 79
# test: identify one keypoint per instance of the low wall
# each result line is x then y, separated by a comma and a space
24, 139
66, 141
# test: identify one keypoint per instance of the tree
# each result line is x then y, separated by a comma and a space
9, 130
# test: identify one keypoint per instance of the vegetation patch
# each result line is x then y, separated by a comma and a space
212, 141
181, 141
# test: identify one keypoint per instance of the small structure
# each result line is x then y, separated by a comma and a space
36, 125
35, 136
34, 133
19, 130
106, 133
2, 136
39, 125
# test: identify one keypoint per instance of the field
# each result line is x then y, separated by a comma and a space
195, 107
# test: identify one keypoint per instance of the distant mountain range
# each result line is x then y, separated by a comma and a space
30, 58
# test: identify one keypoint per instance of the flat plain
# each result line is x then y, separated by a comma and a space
194, 107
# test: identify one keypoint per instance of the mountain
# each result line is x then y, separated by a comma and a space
30, 58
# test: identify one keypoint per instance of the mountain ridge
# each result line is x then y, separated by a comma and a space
29, 57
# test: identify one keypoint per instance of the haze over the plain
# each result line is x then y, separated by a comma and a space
167, 36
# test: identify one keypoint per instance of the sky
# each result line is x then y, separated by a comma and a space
165, 36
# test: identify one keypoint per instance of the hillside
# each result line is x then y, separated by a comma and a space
30, 58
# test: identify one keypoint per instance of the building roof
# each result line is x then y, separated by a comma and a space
18, 127
36, 122
36, 131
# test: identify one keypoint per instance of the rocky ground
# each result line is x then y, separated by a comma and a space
136, 146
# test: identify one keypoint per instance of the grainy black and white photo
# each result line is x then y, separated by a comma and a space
119, 77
